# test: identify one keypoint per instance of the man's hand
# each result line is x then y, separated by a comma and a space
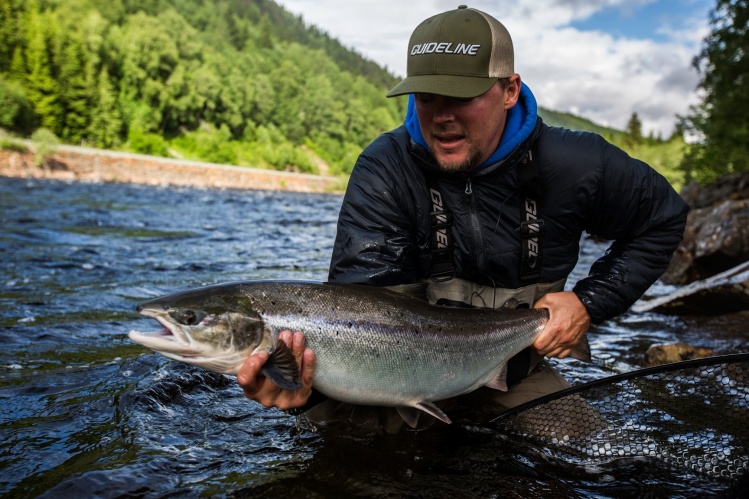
568, 322
259, 388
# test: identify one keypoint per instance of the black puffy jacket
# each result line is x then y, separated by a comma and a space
587, 185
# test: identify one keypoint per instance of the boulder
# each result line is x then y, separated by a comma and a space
674, 352
716, 238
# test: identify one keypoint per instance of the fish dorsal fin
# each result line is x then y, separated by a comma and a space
500, 380
411, 415
416, 290
511, 303
282, 369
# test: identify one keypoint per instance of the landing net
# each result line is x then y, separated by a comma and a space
692, 416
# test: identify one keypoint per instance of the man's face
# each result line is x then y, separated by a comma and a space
463, 133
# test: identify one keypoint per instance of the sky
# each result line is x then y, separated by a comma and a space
599, 59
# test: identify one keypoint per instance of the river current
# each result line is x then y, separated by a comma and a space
84, 412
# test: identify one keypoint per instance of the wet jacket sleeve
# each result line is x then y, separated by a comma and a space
375, 241
637, 208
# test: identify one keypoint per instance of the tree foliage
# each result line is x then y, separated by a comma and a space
720, 120
634, 130
219, 80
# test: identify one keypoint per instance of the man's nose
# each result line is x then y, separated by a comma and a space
443, 111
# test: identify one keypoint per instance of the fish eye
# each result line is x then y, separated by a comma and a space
188, 317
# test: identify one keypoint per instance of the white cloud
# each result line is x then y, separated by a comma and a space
590, 73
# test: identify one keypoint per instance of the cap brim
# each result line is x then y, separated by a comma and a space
463, 87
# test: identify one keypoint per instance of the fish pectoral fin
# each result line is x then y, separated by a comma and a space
281, 368
411, 414
500, 380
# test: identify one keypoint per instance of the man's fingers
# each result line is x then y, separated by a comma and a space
308, 367
251, 368
297, 346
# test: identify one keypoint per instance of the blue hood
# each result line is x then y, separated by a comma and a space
521, 120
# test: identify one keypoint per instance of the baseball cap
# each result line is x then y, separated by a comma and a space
459, 53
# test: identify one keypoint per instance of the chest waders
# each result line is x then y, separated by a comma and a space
444, 288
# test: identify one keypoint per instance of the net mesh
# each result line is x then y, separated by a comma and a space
692, 416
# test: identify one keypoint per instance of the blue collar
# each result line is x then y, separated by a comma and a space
521, 120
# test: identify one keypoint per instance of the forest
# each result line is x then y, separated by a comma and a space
226, 81
245, 82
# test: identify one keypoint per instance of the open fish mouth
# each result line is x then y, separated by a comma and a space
165, 342
169, 339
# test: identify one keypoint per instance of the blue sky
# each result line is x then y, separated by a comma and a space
645, 20
600, 59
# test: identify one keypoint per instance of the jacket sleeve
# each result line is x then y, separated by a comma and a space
638, 209
375, 235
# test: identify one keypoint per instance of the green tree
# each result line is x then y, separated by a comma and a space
16, 110
633, 131
74, 91
42, 89
720, 120
11, 30
106, 121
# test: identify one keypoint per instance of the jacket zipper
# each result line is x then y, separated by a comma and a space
475, 225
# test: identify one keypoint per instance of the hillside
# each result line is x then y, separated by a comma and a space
226, 81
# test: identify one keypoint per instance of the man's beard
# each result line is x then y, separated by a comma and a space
465, 166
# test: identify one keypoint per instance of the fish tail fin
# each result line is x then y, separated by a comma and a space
281, 368
581, 351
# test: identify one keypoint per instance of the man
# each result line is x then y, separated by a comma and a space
476, 196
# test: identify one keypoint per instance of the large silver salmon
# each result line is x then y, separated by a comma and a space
373, 346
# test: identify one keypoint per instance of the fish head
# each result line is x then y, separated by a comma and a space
211, 327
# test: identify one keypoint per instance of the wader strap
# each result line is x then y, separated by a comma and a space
531, 225
441, 240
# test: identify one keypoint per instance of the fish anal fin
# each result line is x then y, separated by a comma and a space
500, 380
281, 368
411, 414
435, 411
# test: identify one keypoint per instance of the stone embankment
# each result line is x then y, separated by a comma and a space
94, 165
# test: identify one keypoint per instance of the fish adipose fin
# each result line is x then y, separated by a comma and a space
282, 369
411, 414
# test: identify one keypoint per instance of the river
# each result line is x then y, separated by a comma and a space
87, 413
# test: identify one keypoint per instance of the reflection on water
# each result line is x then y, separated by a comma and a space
85, 412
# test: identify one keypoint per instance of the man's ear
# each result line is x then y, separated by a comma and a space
512, 93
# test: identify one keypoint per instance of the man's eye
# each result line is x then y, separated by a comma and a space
462, 100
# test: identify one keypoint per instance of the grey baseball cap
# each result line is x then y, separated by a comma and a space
459, 53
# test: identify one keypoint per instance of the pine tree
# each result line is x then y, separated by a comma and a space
41, 86
634, 130
106, 121
720, 120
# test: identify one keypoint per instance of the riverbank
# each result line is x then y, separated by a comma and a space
96, 165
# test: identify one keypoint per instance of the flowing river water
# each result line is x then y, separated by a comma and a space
84, 412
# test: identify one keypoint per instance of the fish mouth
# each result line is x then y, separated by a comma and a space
170, 339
